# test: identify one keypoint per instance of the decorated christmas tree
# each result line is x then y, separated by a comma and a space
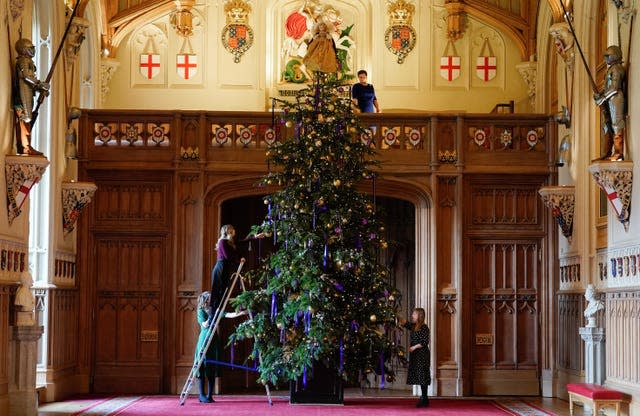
323, 294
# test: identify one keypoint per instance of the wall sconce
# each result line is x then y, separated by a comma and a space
564, 151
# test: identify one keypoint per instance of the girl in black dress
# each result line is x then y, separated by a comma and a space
419, 355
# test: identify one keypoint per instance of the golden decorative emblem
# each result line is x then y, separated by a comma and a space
400, 37
237, 35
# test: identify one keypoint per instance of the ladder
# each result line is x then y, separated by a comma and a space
217, 318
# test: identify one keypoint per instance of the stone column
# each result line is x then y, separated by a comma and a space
593, 338
593, 354
22, 370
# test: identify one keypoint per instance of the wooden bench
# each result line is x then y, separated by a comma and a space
596, 396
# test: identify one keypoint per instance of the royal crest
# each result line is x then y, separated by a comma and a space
400, 37
237, 35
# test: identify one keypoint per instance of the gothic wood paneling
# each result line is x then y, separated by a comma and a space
128, 312
505, 278
570, 353
63, 328
5, 302
504, 255
447, 206
623, 337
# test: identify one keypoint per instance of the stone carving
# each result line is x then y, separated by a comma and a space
561, 200
593, 306
75, 196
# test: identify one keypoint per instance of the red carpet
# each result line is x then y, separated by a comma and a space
258, 406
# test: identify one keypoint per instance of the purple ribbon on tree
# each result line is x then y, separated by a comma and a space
381, 369
341, 354
274, 306
325, 257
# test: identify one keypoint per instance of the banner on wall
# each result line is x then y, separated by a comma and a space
450, 62
186, 65
486, 65
149, 65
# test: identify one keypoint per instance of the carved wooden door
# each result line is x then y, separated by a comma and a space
505, 230
129, 265
128, 314
505, 281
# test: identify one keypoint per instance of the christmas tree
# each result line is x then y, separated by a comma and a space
322, 295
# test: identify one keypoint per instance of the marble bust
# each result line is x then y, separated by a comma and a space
593, 306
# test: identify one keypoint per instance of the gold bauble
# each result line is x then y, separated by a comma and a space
384, 244
337, 182
318, 143
373, 318
289, 123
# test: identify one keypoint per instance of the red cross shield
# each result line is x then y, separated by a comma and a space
486, 68
450, 67
186, 65
149, 65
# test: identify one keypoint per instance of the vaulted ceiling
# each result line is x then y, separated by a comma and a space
516, 18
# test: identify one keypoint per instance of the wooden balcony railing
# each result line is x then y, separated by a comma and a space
405, 142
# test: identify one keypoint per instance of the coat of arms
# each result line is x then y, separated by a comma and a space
237, 35
400, 37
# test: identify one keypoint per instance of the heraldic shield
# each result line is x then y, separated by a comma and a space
400, 40
237, 39
186, 65
149, 65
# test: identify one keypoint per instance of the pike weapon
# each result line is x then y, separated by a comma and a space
41, 96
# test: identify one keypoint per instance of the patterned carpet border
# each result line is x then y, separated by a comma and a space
115, 406
108, 407
521, 408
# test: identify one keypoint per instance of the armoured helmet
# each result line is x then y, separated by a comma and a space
25, 47
613, 54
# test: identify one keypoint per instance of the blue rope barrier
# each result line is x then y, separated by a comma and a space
231, 365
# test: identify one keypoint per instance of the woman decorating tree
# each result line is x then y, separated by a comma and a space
419, 355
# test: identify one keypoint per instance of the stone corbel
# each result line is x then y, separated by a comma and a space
561, 200
564, 43
108, 67
79, 26
75, 196
616, 180
22, 172
529, 72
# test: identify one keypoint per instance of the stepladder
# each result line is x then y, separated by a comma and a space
215, 321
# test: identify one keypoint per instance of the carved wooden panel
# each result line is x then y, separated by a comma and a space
623, 337
128, 314
189, 240
504, 206
4, 339
63, 328
138, 203
570, 348
504, 277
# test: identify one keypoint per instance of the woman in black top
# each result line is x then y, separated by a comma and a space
419, 355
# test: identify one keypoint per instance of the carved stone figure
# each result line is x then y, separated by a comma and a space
26, 86
593, 306
24, 297
613, 103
